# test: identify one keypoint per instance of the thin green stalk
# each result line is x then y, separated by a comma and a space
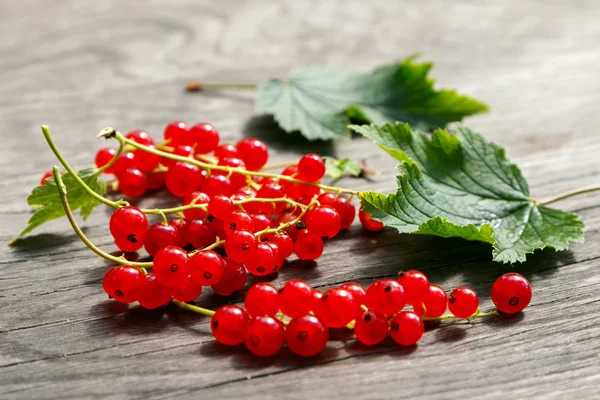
196, 309
568, 194
196, 86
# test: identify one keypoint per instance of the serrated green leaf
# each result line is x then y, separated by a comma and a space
320, 102
463, 186
338, 168
50, 207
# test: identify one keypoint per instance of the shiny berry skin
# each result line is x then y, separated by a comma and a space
154, 293
103, 156
284, 243
289, 187
253, 152
368, 222
357, 291
265, 336
385, 296
198, 233
145, 161
206, 267
306, 336
160, 235
129, 226
262, 262
171, 265
311, 168
205, 137
241, 245
415, 284
183, 178
156, 180
220, 207
347, 212
123, 283
46, 176
125, 161
226, 151
196, 198
296, 298
436, 302
279, 260
237, 180
262, 299
132, 182
182, 151
217, 185
271, 191
511, 293
229, 325
238, 220
337, 308
463, 302
406, 328
295, 229
141, 137
371, 328
308, 247
323, 221
187, 290
234, 278
261, 222
175, 133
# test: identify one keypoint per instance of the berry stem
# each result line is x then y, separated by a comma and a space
282, 164
477, 314
62, 191
196, 86
196, 309
568, 194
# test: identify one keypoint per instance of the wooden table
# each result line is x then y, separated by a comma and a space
81, 66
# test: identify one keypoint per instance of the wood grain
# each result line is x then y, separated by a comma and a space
81, 66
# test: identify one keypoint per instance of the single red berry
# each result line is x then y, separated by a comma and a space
435, 302
183, 178
463, 302
141, 137
241, 245
289, 187
279, 260
347, 211
195, 198
220, 207
145, 161
284, 243
316, 294
253, 152
415, 284
368, 222
296, 298
306, 335
205, 137
180, 224
217, 229
132, 182
154, 293
226, 151
206, 267
129, 226
156, 180
182, 151
125, 161
308, 247
103, 156
160, 235
262, 262
234, 278
337, 308
238, 220
271, 191
46, 176
371, 328
357, 291
261, 222
123, 283
311, 168
187, 290
175, 133
294, 230
171, 265
262, 299
385, 296
198, 233
511, 293
229, 325
406, 328
323, 221
308, 191
217, 185
265, 336
237, 180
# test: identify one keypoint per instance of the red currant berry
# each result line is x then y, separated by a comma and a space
140, 137
262, 262
253, 152
238, 220
206, 267
323, 221
306, 336
160, 235
279, 260
262, 299
271, 191
368, 222
295, 298
217, 229
46, 176
311, 168
175, 133
154, 293
347, 211
316, 294
220, 207
217, 185
182, 151
226, 151
294, 230
195, 198
284, 243
229, 325
233, 279
308, 191
156, 180
129, 226
371, 328
415, 284
357, 291
171, 265
103, 157
385, 296
337, 308
237, 180
125, 161
265, 336
261, 222
187, 290
179, 224
183, 178
123, 283
308, 247
289, 187
132, 182
145, 161
205, 137
435, 302
511, 293
463, 302
406, 328
241, 245
198, 233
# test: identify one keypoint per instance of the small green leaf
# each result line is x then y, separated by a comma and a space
463, 186
320, 102
50, 207
338, 168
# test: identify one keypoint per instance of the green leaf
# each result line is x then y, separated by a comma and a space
50, 207
463, 186
338, 168
320, 102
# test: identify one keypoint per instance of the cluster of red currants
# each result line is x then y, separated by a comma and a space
301, 316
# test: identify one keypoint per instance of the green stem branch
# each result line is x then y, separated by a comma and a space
568, 194
196, 309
